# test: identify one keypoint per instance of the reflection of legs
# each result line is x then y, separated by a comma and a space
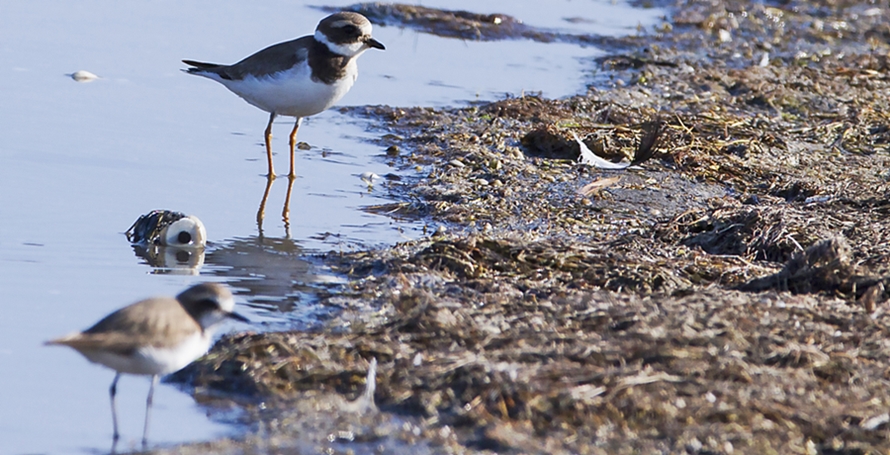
151, 393
113, 391
261, 212
293, 144
285, 212
269, 145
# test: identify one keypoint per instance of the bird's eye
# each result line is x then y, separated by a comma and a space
207, 304
350, 29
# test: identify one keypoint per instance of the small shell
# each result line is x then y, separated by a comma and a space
83, 76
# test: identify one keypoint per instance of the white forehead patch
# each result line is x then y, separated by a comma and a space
345, 49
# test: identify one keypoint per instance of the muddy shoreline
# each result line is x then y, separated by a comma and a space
727, 295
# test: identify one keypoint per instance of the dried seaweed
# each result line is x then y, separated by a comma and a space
727, 297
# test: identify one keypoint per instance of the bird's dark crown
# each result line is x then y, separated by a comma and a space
345, 27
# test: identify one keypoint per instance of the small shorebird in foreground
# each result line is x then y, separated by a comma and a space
155, 337
298, 78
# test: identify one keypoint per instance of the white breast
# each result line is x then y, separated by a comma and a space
293, 92
152, 360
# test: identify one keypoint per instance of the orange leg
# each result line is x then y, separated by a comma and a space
269, 145
293, 144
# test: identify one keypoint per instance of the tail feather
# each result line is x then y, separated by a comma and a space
197, 67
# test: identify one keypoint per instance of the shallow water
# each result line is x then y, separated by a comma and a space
79, 162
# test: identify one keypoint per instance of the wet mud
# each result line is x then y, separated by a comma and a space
728, 294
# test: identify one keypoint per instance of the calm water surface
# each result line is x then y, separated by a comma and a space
79, 162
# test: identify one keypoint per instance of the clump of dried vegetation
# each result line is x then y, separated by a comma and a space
726, 295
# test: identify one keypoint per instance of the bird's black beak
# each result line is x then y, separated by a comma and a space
371, 42
237, 317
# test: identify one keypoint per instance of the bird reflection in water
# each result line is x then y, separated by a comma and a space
285, 210
274, 274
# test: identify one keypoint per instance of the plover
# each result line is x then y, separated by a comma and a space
154, 337
298, 78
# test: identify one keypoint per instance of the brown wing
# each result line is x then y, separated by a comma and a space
275, 58
158, 322
118, 343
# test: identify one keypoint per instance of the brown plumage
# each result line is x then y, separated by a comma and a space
154, 336
297, 78
159, 322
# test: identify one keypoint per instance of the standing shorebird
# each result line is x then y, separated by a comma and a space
298, 78
154, 337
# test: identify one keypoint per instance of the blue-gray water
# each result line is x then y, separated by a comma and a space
79, 162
